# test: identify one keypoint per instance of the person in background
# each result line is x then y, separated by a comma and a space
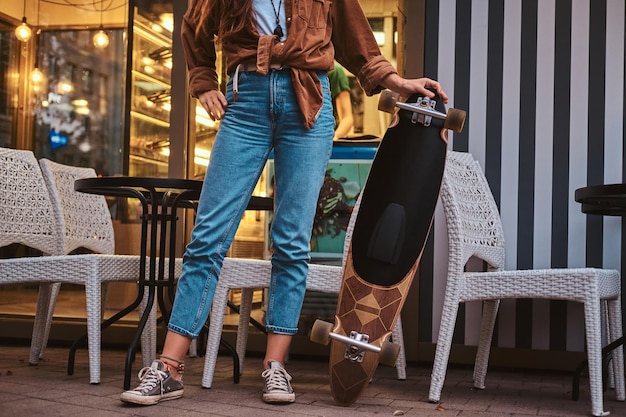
277, 99
342, 102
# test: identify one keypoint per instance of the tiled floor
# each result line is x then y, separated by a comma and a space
46, 390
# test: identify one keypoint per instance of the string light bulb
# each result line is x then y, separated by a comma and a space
23, 32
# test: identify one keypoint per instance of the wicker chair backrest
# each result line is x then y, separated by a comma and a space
26, 214
472, 216
86, 218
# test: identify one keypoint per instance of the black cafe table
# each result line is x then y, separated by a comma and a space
606, 200
160, 200
603, 200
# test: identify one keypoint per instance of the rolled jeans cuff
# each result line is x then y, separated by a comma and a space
179, 330
281, 330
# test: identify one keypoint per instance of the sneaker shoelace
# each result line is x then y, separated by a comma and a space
149, 378
277, 379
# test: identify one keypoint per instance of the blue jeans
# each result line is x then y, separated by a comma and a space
265, 116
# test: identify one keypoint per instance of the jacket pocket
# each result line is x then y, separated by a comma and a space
314, 12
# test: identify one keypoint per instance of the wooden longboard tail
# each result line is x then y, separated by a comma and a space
373, 310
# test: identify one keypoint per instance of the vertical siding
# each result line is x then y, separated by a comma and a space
543, 83
614, 122
544, 153
560, 164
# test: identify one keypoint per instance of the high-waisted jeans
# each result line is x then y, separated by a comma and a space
265, 117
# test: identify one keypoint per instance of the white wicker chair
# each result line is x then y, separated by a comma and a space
85, 222
26, 218
475, 230
250, 274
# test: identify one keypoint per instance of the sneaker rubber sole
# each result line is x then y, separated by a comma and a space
136, 398
279, 397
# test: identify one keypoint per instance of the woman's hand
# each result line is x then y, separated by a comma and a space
214, 103
407, 86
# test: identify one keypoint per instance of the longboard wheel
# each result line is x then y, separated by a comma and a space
320, 333
389, 352
387, 101
455, 120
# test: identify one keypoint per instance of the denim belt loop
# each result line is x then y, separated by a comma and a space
236, 83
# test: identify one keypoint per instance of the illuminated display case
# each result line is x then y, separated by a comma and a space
150, 97
151, 100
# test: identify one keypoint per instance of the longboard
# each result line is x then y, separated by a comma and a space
391, 229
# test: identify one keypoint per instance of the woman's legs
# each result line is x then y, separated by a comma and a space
266, 115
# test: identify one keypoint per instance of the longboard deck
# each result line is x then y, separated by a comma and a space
390, 232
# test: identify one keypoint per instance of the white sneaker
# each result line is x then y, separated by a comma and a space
277, 388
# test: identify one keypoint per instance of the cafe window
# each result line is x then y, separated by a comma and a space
70, 126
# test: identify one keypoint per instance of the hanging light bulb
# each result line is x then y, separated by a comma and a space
36, 76
23, 31
100, 39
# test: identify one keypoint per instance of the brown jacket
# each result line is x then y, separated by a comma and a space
318, 31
